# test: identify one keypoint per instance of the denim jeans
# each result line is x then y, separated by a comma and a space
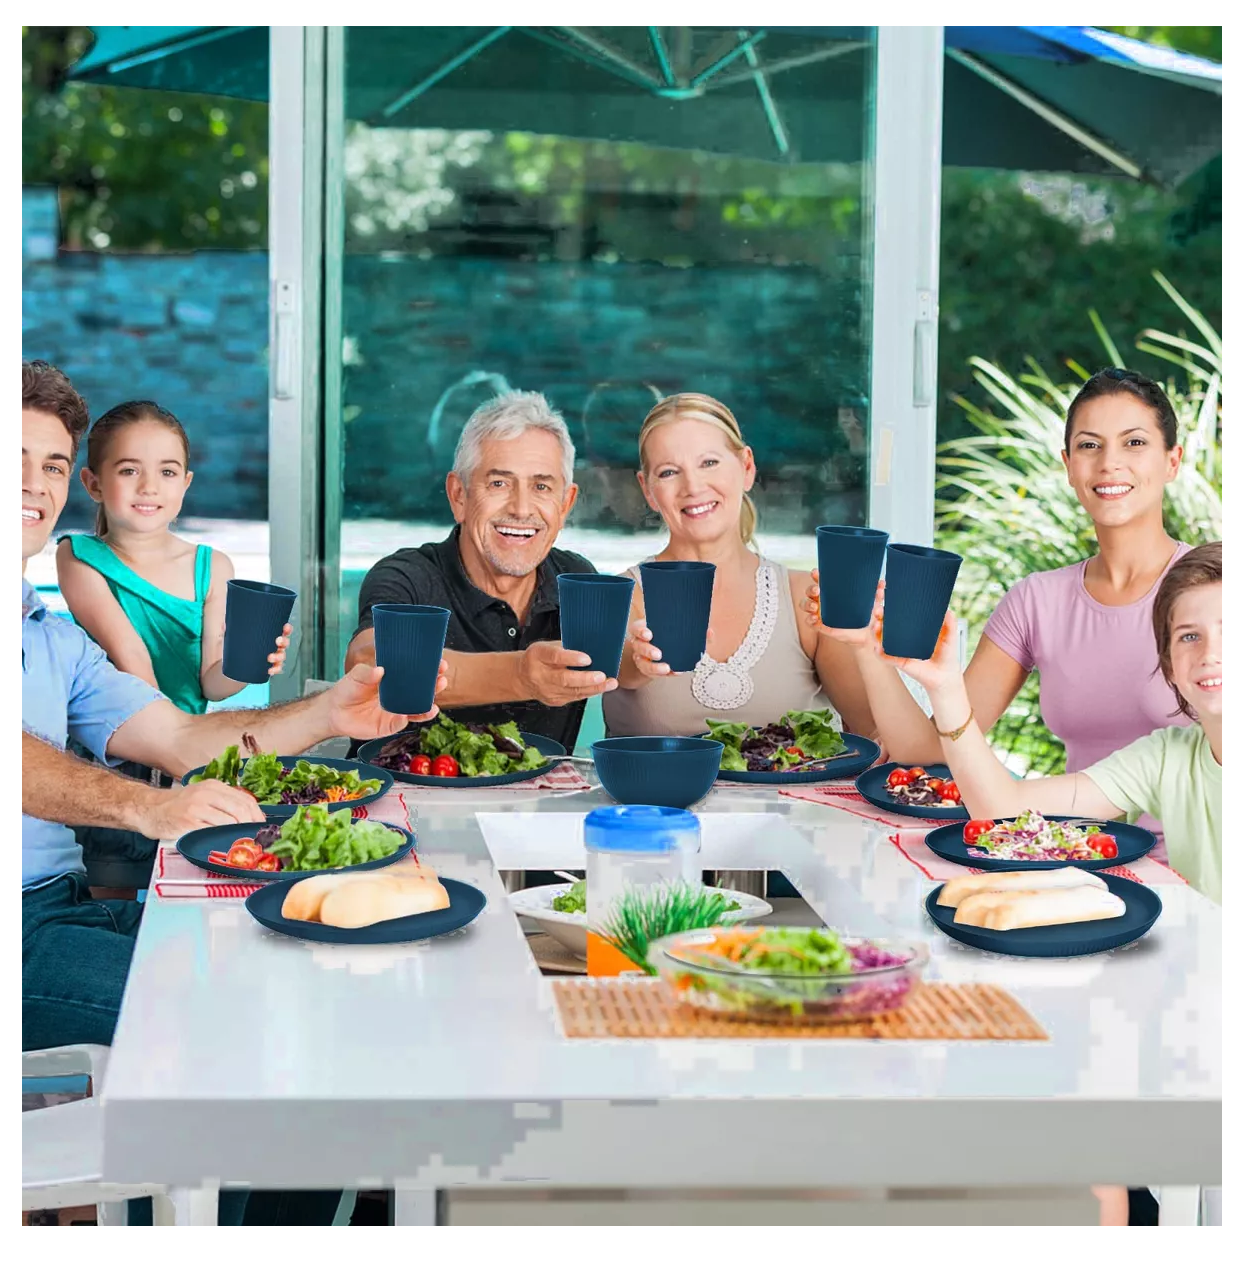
75, 957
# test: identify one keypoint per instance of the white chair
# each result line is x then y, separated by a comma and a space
63, 1150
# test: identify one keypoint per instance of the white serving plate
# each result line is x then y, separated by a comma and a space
570, 929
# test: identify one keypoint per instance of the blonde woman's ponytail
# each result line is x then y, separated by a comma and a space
747, 520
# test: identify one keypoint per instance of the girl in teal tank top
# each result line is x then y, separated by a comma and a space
155, 603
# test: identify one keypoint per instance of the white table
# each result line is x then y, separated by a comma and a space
243, 1056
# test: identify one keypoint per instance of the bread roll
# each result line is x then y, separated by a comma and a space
973, 909
380, 899
303, 902
1053, 908
954, 892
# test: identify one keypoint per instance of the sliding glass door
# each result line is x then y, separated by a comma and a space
606, 215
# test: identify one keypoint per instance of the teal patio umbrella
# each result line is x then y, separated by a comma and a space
1015, 97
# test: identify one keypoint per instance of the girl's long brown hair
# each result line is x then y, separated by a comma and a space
702, 408
112, 423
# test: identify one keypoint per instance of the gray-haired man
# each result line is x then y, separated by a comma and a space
511, 489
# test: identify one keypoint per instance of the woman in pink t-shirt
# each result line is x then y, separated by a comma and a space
1087, 628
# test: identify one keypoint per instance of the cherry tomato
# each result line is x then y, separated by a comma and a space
420, 764
936, 784
974, 830
446, 766
219, 857
268, 864
899, 777
916, 774
795, 750
950, 791
243, 856
1103, 845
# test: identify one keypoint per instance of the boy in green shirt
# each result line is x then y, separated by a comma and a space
1173, 773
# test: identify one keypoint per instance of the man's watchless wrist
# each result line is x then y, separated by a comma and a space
142, 801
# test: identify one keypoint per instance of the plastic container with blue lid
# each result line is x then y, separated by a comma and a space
634, 846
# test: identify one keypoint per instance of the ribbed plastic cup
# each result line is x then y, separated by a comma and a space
408, 644
677, 597
849, 565
919, 587
595, 610
255, 616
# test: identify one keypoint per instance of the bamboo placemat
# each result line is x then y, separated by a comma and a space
647, 1009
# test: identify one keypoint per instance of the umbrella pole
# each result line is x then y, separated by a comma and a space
1051, 115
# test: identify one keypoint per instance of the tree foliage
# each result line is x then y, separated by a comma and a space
140, 170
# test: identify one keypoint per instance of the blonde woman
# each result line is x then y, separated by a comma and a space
761, 657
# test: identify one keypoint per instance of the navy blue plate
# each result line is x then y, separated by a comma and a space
197, 845
465, 904
545, 745
1132, 843
281, 811
858, 755
1074, 939
872, 787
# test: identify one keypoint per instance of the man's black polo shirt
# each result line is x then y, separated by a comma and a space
434, 575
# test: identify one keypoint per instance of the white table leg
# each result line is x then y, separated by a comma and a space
415, 1205
112, 1213
186, 1206
1180, 1205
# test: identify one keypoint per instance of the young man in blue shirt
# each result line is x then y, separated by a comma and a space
76, 950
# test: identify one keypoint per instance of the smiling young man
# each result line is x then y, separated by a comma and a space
76, 950
511, 489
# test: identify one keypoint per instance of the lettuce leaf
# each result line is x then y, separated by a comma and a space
731, 736
262, 777
317, 838
224, 768
815, 733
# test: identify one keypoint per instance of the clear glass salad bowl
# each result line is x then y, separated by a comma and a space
874, 976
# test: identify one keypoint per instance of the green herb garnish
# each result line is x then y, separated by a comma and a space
643, 916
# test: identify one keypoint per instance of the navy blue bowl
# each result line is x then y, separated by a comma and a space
595, 610
464, 904
196, 846
849, 566
255, 616
1133, 843
872, 787
919, 587
663, 772
281, 811
548, 746
1073, 939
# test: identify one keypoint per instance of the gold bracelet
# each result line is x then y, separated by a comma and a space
956, 733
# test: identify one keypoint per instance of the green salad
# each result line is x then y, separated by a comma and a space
797, 736
575, 900
270, 783
317, 838
480, 750
785, 971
